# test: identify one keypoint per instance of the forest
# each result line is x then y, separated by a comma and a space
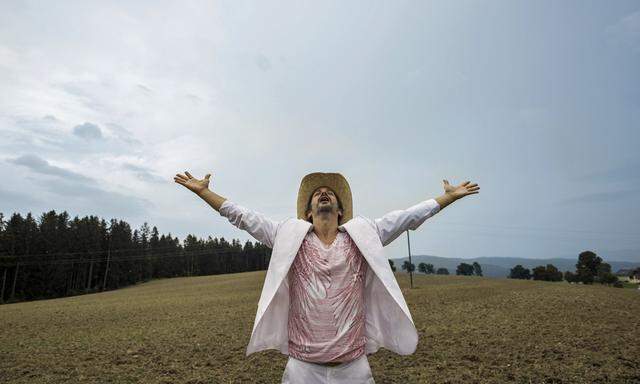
57, 256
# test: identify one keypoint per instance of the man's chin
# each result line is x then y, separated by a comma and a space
325, 210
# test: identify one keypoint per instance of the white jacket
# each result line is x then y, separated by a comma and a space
388, 320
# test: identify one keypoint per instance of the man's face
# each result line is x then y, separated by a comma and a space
324, 202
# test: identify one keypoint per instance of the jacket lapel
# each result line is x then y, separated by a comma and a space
368, 242
283, 253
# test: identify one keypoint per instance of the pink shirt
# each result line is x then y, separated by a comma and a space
326, 312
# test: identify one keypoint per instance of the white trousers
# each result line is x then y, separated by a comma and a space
302, 372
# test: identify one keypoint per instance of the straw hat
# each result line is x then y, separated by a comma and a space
336, 182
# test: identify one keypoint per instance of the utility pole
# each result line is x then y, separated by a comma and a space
4, 278
104, 282
89, 279
410, 263
15, 278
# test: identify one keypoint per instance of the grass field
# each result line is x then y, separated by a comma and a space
195, 330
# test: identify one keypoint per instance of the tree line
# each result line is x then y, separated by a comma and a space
590, 268
428, 269
57, 256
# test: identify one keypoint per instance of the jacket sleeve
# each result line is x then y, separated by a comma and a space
394, 223
255, 223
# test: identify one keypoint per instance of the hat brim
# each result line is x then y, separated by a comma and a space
338, 185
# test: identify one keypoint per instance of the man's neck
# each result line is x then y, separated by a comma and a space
326, 229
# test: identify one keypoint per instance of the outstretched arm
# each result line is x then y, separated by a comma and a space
394, 223
256, 224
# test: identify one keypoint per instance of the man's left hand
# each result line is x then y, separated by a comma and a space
461, 190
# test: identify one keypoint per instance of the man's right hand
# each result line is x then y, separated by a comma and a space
191, 183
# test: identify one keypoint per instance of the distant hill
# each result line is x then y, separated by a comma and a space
501, 266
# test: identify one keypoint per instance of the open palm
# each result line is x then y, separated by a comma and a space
461, 190
193, 184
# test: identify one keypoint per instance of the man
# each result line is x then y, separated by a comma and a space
329, 298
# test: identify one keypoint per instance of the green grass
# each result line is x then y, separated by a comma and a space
195, 330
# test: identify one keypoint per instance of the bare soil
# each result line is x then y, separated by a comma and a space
195, 330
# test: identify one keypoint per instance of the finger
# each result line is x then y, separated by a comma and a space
181, 176
472, 188
445, 181
472, 185
179, 181
207, 176
465, 183
188, 174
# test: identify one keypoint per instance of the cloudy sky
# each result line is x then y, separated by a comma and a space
538, 102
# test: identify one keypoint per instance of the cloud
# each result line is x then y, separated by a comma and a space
88, 197
83, 192
263, 62
42, 166
601, 197
626, 31
48, 135
11, 201
144, 173
123, 134
193, 98
439, 91
40, 132
88, 131
144, 88
622, 174
88, 93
